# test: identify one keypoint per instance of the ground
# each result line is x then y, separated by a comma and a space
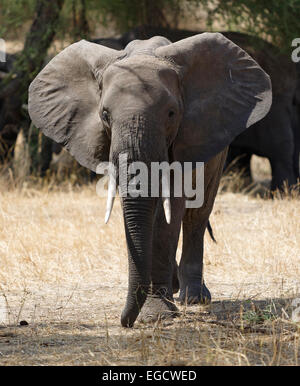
64, 272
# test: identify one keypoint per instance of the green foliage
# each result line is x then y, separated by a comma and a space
129, 14
123, 14
274, 20
14, 13
256, 316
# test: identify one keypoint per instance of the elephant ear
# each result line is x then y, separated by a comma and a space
224, 92
64, 101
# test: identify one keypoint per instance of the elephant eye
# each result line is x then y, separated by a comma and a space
171, 113
105, 117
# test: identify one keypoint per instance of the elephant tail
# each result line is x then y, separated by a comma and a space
210, 231
296, 133
296, 156
296, 126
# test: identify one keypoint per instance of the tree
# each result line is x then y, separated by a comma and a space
274, 20
132, 13
65, 19
14, 87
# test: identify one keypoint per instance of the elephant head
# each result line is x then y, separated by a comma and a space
154, 101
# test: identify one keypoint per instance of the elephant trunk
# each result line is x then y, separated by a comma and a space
135, 144
138, 219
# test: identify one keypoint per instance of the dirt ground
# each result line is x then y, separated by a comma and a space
64, 273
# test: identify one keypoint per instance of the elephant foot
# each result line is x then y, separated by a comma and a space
195, 294
158, 306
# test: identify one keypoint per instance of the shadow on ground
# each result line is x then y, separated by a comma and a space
224, 333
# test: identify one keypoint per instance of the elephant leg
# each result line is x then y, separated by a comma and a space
160, 303
282, 171
192, 286
280, 147
238, 161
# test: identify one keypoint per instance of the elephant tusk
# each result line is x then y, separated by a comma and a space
166, 198
110, 198
167, 208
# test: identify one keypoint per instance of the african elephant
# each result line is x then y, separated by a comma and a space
153, 102
6, 66
277, 136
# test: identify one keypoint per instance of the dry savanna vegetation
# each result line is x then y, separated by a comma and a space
63, 282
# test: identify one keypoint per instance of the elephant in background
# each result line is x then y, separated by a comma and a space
277, 136
6, 66
154, 101
114, 43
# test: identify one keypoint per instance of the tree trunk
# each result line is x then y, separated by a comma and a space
153, 13
14, 87
80, 24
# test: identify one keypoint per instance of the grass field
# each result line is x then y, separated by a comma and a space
64, 272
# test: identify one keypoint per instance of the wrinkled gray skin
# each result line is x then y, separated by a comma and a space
277, 136
155, 101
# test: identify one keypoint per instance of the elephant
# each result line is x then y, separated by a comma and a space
5, 68
277, 136
7, 65
153, 102
114, 43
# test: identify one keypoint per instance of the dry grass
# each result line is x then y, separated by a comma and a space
65, 273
